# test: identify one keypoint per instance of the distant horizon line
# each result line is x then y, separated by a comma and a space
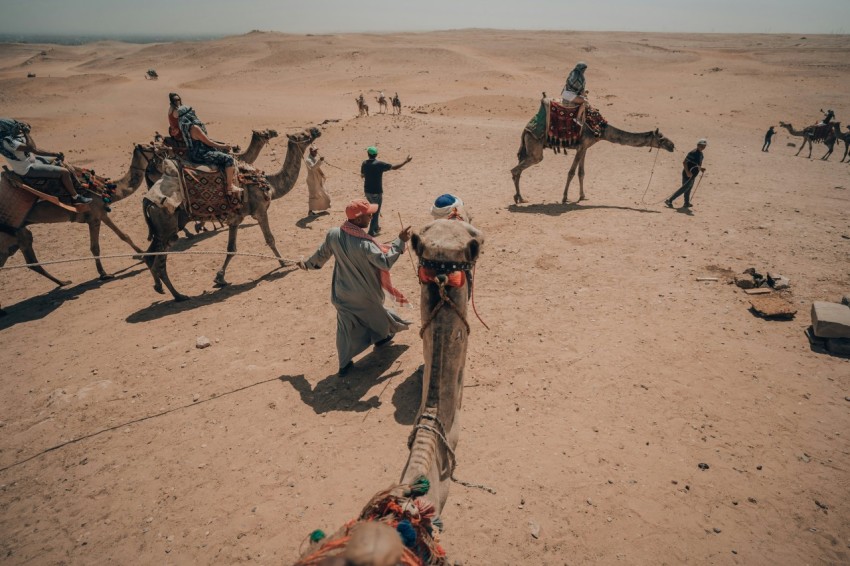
132, 37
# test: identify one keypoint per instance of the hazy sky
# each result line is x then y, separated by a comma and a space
206, 17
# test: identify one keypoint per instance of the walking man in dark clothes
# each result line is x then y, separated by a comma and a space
372, 172
767, 137
692, 166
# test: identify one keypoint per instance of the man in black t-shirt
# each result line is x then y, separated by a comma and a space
692, 166
372, 172
768, 136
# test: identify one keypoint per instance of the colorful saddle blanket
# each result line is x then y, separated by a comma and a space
820, 132
16, 202
205, 193
555, 123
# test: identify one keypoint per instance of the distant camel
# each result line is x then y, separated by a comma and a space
531, 152
815, 134
396, 105
383, 107
362, 107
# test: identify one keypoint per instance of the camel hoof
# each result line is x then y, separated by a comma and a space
284, 263
158, 288
180, 298
219, 283
106, 276
565, 201
63, 283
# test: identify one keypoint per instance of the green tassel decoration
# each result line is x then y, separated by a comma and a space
317, 535
420, 486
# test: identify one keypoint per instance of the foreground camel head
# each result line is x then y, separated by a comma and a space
447, 250
658, 140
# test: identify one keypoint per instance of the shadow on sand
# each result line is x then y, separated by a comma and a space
305, 222
336, 393
557, 209
168, 307
36, 308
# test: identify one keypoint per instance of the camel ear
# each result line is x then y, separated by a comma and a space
416, 244
656, 131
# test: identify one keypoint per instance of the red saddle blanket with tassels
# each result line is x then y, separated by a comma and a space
564, 130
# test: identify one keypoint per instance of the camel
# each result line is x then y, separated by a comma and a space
810, 135
531, 152
163, 224
383, 108
259, 139
447, 250
145, 161
396, 105
362, 107
145, 164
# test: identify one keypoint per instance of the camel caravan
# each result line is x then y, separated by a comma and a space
383, 104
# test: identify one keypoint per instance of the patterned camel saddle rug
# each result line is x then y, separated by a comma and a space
820, 132
206, 194
556, 125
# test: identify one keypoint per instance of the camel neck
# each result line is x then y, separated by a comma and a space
132, 179
284, 180
622, 137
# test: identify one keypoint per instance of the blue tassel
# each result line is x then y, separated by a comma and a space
407, 533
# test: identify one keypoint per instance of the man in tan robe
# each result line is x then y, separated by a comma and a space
319, 199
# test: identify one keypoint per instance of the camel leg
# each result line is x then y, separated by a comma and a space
24, 237
149, 260
576, 162
231, 248
263, 220
94, 246
124, 237
160, 269
581, 196
828, 152
529, 154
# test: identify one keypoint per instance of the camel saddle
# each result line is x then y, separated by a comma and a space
820, 132
555, 124
205, 192
20, 194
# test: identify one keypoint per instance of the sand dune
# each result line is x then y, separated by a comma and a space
609, 372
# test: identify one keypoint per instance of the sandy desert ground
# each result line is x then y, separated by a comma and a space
608, 373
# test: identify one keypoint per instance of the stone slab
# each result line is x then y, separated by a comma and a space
830, 320
759, 291
772, 306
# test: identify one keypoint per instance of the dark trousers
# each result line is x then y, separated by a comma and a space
375, 225
766, 144
685, 189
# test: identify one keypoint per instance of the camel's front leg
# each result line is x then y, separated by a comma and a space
94, 245
231, 249
576, 162
124, 237
828, 153
263, 220
810, 147
24, 238
581, 196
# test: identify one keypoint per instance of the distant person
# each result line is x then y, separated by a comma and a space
32, 163
575, 90
174, 103
827, 117
203, 149
318, 199
449, 207
372, 172
361, 275
691, 167
768, 136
